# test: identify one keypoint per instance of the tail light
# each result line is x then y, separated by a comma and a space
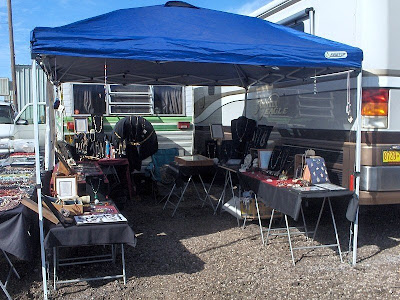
374, 108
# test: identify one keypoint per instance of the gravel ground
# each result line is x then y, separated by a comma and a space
197, 255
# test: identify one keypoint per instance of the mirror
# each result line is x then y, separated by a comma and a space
22, 122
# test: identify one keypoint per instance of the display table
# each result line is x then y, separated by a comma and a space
19, 232
120, 162
282, 196
89, 235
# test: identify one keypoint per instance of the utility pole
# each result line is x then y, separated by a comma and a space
12, 55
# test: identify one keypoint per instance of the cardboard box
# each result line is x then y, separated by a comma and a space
250, 211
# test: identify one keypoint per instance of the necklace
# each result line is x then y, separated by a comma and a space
95, 191
95, 124
263, 139
244, 131
144, 131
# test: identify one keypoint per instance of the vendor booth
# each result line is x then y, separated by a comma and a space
180, 44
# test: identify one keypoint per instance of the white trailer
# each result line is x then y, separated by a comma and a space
322, 115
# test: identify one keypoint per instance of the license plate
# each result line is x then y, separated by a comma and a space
391, 156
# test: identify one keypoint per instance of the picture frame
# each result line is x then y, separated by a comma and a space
81, 125
66, 187
217, 131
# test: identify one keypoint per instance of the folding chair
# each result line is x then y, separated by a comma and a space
160, 158
12, 270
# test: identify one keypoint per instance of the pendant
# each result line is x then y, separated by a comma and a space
240, 140
95, 196
144, 131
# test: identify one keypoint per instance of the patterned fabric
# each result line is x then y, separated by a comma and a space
7, 204
318, 171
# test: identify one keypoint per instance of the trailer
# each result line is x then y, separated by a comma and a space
321, 115
168, 108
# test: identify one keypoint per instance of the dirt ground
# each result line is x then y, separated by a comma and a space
199, 255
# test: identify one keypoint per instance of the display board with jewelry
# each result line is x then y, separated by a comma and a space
16, 182
242, 133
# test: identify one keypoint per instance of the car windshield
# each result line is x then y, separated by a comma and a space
6, 114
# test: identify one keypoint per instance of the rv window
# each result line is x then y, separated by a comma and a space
168, 100
89, 99
130, 99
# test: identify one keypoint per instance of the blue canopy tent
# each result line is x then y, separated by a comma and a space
180, 44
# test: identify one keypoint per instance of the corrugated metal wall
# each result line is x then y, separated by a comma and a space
24, 83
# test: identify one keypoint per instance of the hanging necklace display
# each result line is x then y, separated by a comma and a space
244, 131
98, 130
144, 131
263, 139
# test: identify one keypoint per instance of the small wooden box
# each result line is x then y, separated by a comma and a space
194, 161
76, 209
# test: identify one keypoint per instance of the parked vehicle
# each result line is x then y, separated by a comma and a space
321, 115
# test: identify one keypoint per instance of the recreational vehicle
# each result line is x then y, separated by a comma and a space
321, 114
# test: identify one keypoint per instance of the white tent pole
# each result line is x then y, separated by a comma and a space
38, 178
357, 161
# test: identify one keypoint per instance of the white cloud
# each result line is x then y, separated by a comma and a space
250, 6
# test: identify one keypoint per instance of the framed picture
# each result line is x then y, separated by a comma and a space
217, 131
81, 125
66, 187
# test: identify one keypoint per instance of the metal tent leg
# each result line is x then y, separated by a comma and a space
3, 287
123, 263
355, 238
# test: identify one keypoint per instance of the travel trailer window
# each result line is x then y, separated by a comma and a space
168, 100
89, 99
130, 99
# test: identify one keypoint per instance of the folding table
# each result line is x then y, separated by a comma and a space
183, 176
288, 201
112, 234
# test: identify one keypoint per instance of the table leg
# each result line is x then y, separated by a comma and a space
181, 197
259, 220
169, 196
3, 287
290, 241
123, 263
11, 264
209, 189
319, 218
304, 221
334, 226
270, 225
223, 192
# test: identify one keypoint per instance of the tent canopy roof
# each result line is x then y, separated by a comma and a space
178, 43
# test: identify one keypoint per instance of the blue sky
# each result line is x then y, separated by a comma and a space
28, 14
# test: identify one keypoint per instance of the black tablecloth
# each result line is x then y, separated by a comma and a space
19, 232
288, 201
87, 235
